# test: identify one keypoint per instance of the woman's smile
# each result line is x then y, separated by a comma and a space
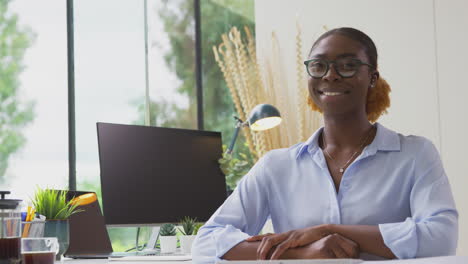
330, 96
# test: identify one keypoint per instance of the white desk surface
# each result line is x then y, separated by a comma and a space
436, 260
105, 261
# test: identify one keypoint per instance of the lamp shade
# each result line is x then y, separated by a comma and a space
263, 117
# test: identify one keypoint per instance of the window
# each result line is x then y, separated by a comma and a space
217, 18
33, 103
171, 37
110, 82
110, 78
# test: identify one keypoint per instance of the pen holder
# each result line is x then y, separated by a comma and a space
33, 228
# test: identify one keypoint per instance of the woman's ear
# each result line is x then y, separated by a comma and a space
374, 79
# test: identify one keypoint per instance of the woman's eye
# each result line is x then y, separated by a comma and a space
350, 65
317, 66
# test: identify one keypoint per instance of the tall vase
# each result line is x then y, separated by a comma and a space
60, 230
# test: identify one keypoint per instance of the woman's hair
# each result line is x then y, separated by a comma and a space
378, 99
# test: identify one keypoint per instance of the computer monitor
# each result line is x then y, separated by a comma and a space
154, 175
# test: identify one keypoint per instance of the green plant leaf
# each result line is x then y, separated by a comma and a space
197, 227
53, 204
167, 230
188, 225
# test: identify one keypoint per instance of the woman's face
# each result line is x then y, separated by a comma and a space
333, 93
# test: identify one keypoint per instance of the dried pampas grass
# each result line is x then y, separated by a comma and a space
251, 83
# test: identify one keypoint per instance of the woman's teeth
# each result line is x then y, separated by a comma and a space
331, 93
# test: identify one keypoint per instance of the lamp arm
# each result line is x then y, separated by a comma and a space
239, 124
233, 141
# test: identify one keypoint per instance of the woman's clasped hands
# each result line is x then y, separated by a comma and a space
307, 243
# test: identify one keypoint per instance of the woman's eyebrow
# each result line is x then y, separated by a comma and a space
317, 56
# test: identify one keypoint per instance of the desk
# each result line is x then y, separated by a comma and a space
436, 260
105, 261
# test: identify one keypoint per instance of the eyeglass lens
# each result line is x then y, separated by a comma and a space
346, 67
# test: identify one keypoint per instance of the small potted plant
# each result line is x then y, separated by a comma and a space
54, 206
197, 227
189, 228
168, 238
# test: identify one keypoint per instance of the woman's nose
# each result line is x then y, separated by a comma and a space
331, 74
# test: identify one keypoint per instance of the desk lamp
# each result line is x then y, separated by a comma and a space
262, 117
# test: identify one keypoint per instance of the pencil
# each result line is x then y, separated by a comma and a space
29, 216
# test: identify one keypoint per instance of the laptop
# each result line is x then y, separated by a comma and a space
88, 233
89, 238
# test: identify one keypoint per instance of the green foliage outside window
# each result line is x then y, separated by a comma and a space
218, 104
217, 18
234, 168
14, 114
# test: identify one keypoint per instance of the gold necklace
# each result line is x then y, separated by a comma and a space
361, 146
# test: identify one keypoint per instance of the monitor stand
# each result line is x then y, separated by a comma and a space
150, 248
151, 245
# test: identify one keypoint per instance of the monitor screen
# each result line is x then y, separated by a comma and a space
154, 175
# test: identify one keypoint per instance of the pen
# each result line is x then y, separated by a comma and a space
29, 217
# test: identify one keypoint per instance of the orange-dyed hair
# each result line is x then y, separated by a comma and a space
378, 100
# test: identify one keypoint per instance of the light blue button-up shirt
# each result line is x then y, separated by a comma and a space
398, 183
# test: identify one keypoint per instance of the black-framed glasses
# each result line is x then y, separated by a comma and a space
345, 67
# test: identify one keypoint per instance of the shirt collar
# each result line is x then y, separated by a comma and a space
311, 145
385, 140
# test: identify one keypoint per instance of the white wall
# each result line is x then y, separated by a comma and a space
422, 51
452, 43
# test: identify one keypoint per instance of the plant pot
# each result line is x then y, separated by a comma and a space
186, 244
168, 244
60, 230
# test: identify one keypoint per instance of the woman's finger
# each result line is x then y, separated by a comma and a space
351, 248
339, 251
257, 237
262, 244
268, 243
280, 249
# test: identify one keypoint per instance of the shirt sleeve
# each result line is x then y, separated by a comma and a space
432, 229
242, 215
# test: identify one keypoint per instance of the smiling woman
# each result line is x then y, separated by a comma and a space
353, 187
